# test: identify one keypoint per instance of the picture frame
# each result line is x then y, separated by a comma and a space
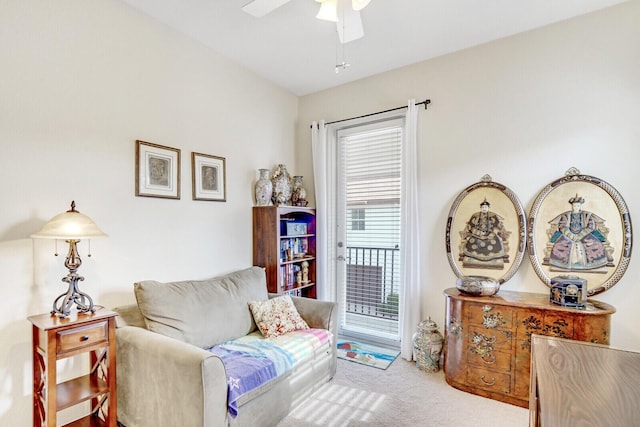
208, 177
580, 227
485, 233
157, 171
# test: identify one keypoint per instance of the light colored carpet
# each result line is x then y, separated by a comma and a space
402, 395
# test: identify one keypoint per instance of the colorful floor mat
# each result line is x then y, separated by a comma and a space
366, 354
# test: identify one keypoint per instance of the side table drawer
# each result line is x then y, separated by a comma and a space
69, 340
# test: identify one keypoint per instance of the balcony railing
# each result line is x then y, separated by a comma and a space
373, 278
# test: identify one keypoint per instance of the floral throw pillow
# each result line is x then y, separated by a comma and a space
277, 316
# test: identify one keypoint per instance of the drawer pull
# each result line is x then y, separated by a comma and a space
488, 358
493, 381
84, 338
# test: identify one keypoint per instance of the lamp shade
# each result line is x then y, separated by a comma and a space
70, 225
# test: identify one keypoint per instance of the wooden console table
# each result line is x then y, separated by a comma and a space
488, 339
56, 338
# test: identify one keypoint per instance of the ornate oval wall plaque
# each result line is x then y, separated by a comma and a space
486, 231
579, 225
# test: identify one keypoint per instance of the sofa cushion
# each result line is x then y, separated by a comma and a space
202, 312
277, 316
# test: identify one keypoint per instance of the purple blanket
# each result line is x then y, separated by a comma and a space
252, 361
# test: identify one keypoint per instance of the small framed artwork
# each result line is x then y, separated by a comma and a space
486, 231
580, 228
157, 171
208, 176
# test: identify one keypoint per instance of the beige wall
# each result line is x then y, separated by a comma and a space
522, 109
81, 81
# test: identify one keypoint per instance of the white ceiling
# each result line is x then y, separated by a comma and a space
298, 52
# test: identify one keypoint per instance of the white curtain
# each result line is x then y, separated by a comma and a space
410, 234
319, 148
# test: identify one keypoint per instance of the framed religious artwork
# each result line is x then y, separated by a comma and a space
157, 171
208, 177
580, 229
486, 231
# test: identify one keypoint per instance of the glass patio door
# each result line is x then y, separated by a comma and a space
368, 230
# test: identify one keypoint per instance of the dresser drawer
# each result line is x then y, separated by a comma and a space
550, 324
488, 380
73, 339
491, 316
498, 339
494, 360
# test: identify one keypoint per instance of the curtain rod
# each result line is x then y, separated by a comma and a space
425, 103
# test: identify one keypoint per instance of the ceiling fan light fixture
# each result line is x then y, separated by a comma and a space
359, 4
328, 10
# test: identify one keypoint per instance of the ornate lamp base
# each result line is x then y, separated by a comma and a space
63, 304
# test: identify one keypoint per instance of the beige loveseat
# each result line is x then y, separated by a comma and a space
166, 376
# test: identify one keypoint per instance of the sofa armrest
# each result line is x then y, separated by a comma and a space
321, 315
161, 380
318, 314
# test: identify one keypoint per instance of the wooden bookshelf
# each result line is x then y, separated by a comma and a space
284, 239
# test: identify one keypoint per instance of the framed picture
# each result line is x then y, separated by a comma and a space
579, 226
157, 171
208, 177
486, 231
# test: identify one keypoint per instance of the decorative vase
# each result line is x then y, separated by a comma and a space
478, 285
298, 193
427, 346
281, 186
263, 188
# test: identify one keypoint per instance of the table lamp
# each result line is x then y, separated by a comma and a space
71, 226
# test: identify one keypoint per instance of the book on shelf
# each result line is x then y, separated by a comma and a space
297, 247
288, 276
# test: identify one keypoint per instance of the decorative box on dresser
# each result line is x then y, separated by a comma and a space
56, 338
488, 339
284, 243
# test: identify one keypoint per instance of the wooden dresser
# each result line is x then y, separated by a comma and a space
488, 339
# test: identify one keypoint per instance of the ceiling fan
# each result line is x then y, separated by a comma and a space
345, 13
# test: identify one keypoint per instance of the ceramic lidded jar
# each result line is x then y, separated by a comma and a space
263, 188
281, 181
427, 346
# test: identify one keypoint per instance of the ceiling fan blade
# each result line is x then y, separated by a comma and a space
349, 24
260, 8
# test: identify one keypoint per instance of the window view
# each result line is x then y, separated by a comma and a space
357, 219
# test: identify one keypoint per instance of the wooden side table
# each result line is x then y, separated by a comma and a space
56, 338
